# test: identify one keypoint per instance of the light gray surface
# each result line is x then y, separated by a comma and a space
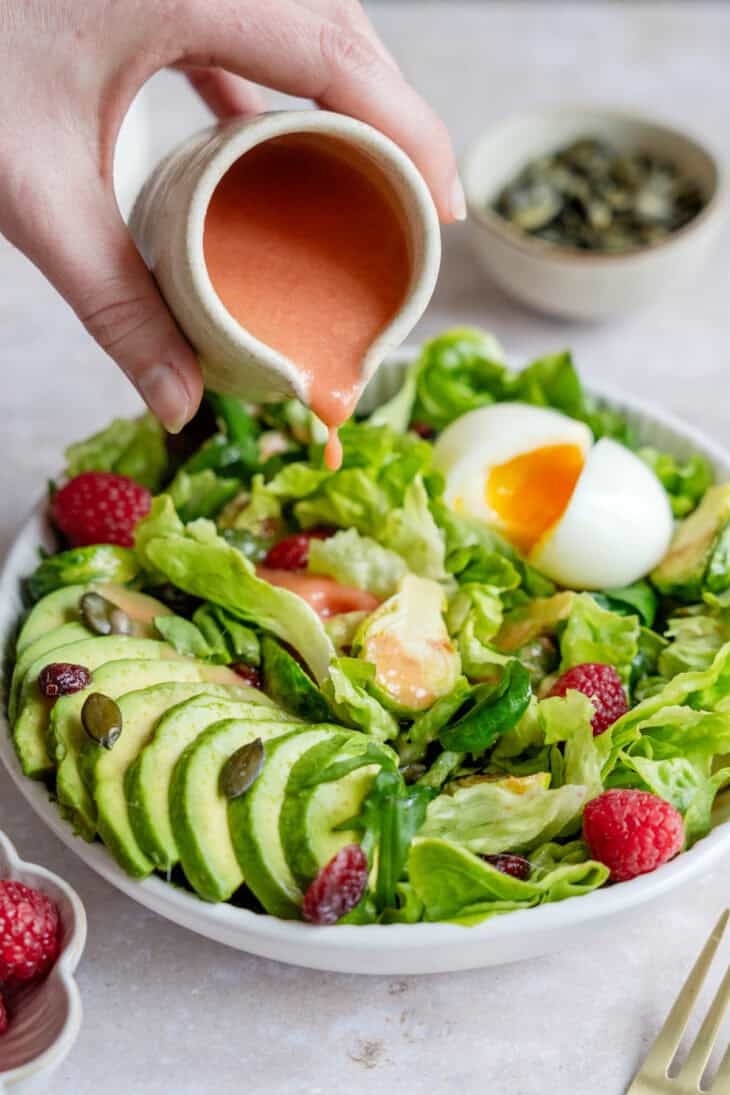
169, 1012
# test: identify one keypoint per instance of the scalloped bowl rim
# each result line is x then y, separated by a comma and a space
394, 948
62, 972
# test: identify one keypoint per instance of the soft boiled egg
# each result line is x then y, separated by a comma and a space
589, 516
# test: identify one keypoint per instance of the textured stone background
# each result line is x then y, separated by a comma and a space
169, 1012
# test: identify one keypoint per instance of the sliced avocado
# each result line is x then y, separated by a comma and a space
51, 612
682, 570
289, 684
59, 636
150, 776
312, 811
538, 617
29, 728
407, 641
42, 632
104, 770
253, 820
198, 810
66, 736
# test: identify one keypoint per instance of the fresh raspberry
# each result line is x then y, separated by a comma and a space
97, 507
602, 685
248, 674
3, 1016
515, 865
292, 553
63, 678
29, 933
632, 832
338, 887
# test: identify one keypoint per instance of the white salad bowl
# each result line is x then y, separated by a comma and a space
47, 1017
394, 948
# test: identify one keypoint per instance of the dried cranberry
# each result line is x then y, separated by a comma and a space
292, 553
423, 430
248, 674
63, 678
515, 865
338, 887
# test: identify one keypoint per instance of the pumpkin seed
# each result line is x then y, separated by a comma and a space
412, 772
120, 622
95, 612
242, 769
104, 617
102, 719
591, 197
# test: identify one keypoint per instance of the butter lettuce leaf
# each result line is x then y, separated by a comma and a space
504, 815
595, 634
127, 446
453, 883
200, 562
357, 561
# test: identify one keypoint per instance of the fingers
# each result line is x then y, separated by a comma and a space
84, 249
228, 96
350, 14
290, 47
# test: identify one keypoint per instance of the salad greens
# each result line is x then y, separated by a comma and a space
437, 740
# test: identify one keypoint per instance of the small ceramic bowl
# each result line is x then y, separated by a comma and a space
47, 1017
573, 283
168, 223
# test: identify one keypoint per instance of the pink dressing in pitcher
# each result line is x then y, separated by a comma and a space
306, 248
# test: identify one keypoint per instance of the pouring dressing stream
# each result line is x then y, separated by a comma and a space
295, 249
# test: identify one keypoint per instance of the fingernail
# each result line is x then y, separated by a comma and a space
165, 395
458, 201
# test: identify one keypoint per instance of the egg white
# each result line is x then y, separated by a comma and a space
468, 449
616, 527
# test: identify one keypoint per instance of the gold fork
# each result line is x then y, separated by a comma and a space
653, 1077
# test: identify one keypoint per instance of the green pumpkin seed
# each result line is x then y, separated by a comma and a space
242, 769
102, 719
120, 622
591, 197
95, 612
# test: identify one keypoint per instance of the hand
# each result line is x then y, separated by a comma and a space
69, 70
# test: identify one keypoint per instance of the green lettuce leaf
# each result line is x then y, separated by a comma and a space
82, 566
201, 494
128, 446
504, 815
568, 719
685, 483
412, 532
458, 371
357, 561
200, 562
454, 884
595, 634
638, 599
185, 637
391, 815
346, 690
695, 636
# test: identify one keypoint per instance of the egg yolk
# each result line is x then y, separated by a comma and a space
531, 491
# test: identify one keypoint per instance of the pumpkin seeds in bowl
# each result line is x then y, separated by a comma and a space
590, 196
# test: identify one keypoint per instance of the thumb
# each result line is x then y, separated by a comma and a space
88, 255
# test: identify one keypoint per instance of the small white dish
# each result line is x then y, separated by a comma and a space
168, 223
47, 1018
568, 282
394, 948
